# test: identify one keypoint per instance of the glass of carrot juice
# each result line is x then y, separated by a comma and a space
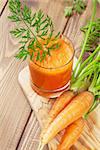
52, 75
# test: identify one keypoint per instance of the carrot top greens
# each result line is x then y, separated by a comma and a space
37, 26
86, 75
94, 37
75, 6
78, 6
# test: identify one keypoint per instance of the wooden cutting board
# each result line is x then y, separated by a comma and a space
90, 138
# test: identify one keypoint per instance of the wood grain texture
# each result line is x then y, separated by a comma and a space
14, 108
2, 4
30, 139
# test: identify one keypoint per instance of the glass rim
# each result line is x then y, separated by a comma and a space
51, 68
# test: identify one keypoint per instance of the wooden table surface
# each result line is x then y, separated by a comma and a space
17, 120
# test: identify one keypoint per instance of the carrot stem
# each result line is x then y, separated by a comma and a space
88, 59
75, 72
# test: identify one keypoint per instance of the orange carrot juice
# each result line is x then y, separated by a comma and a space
53, 73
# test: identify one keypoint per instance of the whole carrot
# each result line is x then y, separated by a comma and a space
71, 134
59, 105
73, 111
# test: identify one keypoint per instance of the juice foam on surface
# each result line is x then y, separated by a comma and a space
59, 57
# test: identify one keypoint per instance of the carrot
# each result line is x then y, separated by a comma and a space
73, 111
59, 105
71, 134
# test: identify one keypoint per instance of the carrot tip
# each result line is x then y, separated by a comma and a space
40, 147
